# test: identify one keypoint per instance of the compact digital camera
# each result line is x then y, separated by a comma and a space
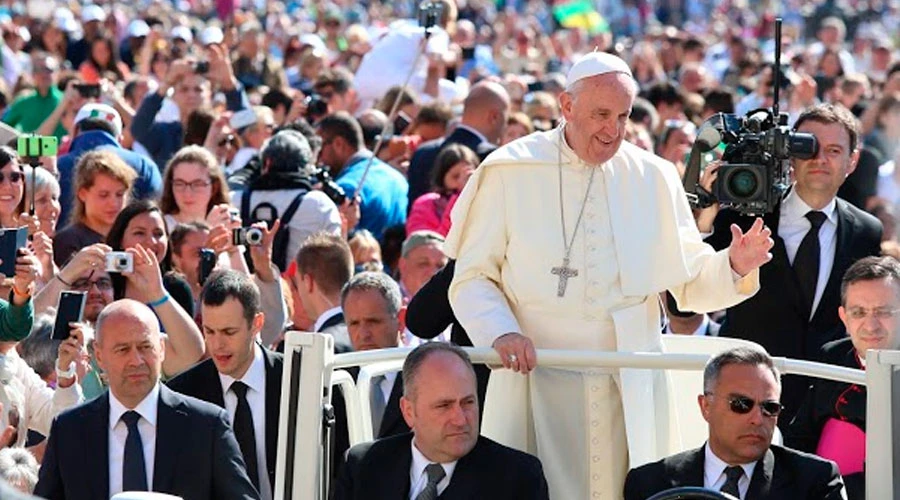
252, 236
119, 262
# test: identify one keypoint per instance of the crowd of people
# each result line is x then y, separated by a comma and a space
509, 178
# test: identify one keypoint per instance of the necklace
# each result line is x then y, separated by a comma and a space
564, 271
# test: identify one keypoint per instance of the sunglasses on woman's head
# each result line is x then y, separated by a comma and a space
742, 405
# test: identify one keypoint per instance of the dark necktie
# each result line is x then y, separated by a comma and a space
435, 473
806, 262
134, 473
243, 430
733, 474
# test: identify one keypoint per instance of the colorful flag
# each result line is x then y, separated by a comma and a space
580, 14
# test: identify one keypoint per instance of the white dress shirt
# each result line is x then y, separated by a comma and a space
325, 316
714, 473
255, 378
793, 226
699, 332
417, 477
118, 433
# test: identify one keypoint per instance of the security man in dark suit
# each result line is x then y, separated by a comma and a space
485, 113
817, 237
444, 457
371, 302
740, 403
140, 435
240, 376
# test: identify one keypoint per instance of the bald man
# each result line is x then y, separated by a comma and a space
485, 113
140, 436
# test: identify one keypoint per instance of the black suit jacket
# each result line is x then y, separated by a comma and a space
782, 474
380, 471
197, 456
776, 317
202, 382
422, 162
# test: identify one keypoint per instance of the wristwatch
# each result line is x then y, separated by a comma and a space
65, 374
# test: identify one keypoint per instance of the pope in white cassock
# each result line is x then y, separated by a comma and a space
563, 240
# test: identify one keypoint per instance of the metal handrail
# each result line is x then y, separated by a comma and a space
645, 360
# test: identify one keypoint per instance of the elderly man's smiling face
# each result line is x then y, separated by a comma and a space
596, 110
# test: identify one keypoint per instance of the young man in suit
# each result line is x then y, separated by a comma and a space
483, 123
140, 435
831, 421
740, 403
240, 376
444, 456
817, 237
323, 265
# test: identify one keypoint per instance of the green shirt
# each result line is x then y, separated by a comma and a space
28, 112
15, 321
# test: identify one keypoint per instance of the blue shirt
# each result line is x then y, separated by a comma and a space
384, 194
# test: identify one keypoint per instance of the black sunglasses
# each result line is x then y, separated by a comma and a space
14, 177
742, 405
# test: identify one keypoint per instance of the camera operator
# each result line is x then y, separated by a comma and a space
285, 191
817, 237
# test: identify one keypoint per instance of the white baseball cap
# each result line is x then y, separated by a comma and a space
211, 35
182, 32
102, 111
138, 28
92, 12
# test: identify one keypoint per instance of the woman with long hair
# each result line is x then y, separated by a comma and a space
103, 62
139, 230
452, 169
102, 186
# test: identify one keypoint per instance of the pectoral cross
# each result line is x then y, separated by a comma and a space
564, 272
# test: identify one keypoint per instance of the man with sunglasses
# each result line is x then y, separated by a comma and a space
741, 388
831, 422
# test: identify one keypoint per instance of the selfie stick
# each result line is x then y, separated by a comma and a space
776, 74
387, 130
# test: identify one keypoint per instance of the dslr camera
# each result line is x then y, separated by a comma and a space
252, 236
119, 262
331, 189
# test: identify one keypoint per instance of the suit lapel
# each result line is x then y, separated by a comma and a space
392, 409
171, 433
780, 269
96, 456
761, 482
211, 384
273, 402
689, 471
464, 484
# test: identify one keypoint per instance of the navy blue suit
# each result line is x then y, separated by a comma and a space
197, 456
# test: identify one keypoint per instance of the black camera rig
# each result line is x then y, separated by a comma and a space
755, 173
